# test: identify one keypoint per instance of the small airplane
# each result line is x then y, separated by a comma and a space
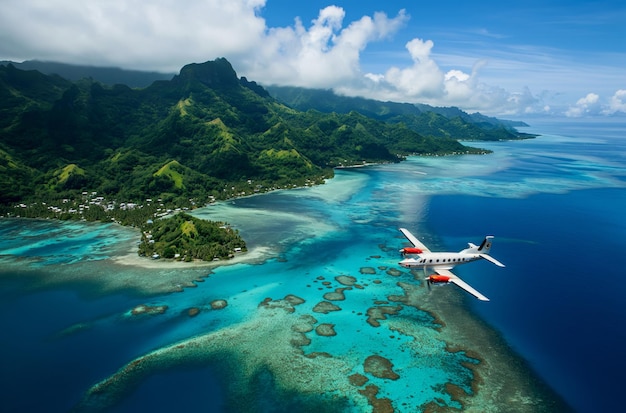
442, 262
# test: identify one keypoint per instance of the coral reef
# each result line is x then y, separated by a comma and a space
218, 304
325, 307
325, 330
148, 309
380, 367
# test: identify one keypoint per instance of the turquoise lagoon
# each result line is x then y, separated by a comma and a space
320, 317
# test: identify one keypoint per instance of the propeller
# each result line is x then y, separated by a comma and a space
427, 279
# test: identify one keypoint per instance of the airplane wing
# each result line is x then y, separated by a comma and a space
459, 282
413, 240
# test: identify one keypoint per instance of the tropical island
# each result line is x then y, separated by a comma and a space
140, 156
187, 238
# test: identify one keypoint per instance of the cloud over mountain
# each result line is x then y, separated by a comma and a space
326, 52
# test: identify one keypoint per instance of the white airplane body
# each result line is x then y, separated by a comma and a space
442, 262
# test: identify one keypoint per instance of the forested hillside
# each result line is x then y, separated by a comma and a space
205, 134
438, 122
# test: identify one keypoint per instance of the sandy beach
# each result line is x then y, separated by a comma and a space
254, 256
109, 268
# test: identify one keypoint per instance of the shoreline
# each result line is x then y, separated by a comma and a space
125, 273
102, 258
256, 255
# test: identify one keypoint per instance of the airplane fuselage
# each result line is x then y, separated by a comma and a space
444, 260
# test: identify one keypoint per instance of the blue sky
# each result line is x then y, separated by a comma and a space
529, 58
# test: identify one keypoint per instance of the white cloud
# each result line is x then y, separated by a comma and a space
617, 103
325, 55
423, 78
327, 52
157, 35
593, 105
164, 35
588, 105
425, 82
456, 75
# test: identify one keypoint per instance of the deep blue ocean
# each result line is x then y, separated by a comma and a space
560, 301
555, 205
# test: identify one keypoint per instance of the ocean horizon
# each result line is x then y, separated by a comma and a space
323, 318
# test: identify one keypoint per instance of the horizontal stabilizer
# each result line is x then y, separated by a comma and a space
491, 259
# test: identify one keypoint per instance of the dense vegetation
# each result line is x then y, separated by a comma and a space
206, 134
84, 150
438, 122
186, 238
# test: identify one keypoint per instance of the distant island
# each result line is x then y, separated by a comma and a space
81, 149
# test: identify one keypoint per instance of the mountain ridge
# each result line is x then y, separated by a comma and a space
226, 134
425, 119
112, 76
106, 75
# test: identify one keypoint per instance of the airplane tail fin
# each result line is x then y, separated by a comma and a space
485, 247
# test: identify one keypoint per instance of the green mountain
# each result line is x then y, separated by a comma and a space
204, 134
440, 122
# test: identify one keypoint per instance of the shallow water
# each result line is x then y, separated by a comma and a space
553, 204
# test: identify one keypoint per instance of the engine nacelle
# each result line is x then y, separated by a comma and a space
437, 279
411, 250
